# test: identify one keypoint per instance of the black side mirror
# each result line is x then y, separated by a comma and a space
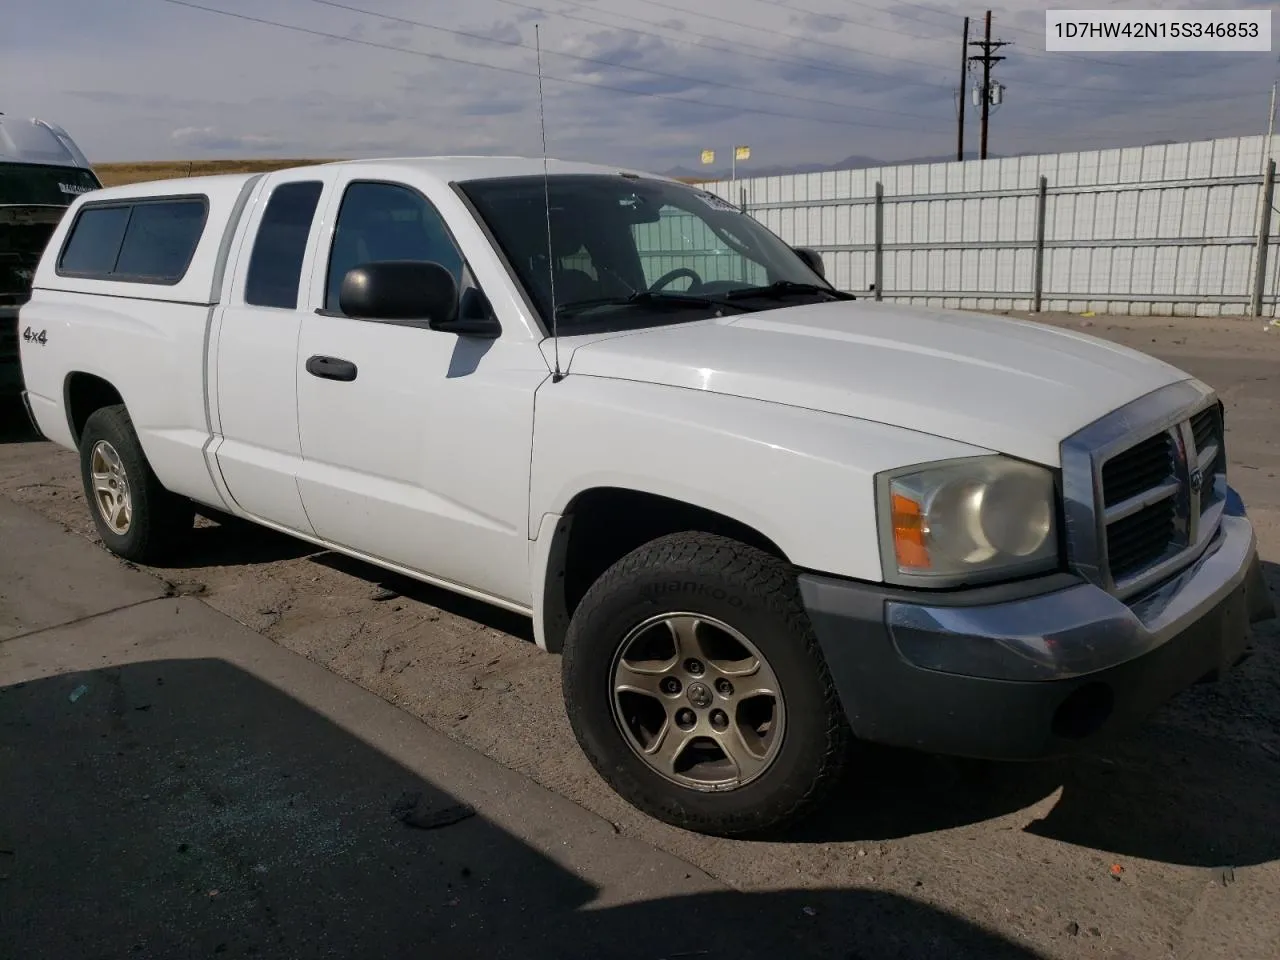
410, 290
812, 259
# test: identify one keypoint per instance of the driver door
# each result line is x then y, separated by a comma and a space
417, 451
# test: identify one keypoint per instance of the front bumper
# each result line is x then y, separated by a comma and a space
1033, 676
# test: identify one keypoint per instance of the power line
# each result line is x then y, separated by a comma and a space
734, 47
1023, 30
525, 73
776, 33
1157, 99
755, 91
1026, 51
868, 53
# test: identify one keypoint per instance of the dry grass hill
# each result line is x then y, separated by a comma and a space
114, 174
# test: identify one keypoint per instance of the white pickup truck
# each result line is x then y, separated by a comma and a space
761, 521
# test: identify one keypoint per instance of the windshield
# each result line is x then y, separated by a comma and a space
635, 252
34, 183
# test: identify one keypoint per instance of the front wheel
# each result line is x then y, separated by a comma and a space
695, 685
137, 518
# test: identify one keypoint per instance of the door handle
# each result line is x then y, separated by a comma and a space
331, 368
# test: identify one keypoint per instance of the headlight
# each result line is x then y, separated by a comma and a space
977, 519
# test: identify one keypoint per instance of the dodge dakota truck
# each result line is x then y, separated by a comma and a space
761, 521
41, 172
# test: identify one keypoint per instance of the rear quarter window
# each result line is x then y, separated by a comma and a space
135, 241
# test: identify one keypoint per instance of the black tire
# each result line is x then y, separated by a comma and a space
756, 595
159, 520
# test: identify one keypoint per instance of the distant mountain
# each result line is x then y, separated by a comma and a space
855, 162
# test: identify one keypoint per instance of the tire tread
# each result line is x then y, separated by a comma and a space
161, 519
771, 582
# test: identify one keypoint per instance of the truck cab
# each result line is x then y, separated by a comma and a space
41, 172
758, 518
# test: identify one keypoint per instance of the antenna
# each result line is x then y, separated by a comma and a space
556, 375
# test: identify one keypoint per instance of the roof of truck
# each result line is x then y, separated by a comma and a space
490, 168
446, 169
37, 141
214, 186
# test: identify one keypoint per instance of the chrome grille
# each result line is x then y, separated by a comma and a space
1141, 504
1207, 428
1138, 469
1143, 538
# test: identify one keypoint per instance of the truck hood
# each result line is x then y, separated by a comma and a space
1012, 386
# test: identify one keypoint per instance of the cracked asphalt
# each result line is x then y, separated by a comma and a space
1163, 845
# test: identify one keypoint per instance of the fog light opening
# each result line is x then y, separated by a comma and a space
1083, 712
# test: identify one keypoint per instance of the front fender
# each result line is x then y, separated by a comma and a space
802, 478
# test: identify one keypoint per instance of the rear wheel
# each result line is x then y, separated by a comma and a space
695, 685
137, 518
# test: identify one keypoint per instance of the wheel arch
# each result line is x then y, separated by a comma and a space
599, 526
82, 395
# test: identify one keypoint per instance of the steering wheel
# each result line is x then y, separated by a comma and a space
672, 275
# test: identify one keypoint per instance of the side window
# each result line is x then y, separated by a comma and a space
147, 241
94, 241
681, 240
161, 240
385, 221
275, 266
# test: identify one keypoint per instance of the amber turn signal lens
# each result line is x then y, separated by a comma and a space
908, 534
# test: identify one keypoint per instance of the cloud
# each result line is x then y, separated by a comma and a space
212, 140
800, 80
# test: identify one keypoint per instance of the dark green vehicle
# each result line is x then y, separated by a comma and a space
41, 172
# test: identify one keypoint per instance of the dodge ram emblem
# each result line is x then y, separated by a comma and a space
1197, 480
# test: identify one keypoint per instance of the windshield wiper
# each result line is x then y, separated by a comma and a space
783, 288
643, 298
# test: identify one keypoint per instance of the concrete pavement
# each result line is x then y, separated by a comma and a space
173, 784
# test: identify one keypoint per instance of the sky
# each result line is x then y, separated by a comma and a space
648, 83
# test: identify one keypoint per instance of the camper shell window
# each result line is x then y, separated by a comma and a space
147, 240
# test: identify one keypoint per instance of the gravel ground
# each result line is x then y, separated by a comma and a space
1162, 845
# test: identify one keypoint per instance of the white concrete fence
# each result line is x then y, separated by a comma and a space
1177, 229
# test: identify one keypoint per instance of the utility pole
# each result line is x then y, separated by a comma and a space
1271, 124
988, 60
964, 73
1259, 215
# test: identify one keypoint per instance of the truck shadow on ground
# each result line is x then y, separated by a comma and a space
15, 425
229, 541
148, 818
1194, 785
1161, 794
1172, 793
